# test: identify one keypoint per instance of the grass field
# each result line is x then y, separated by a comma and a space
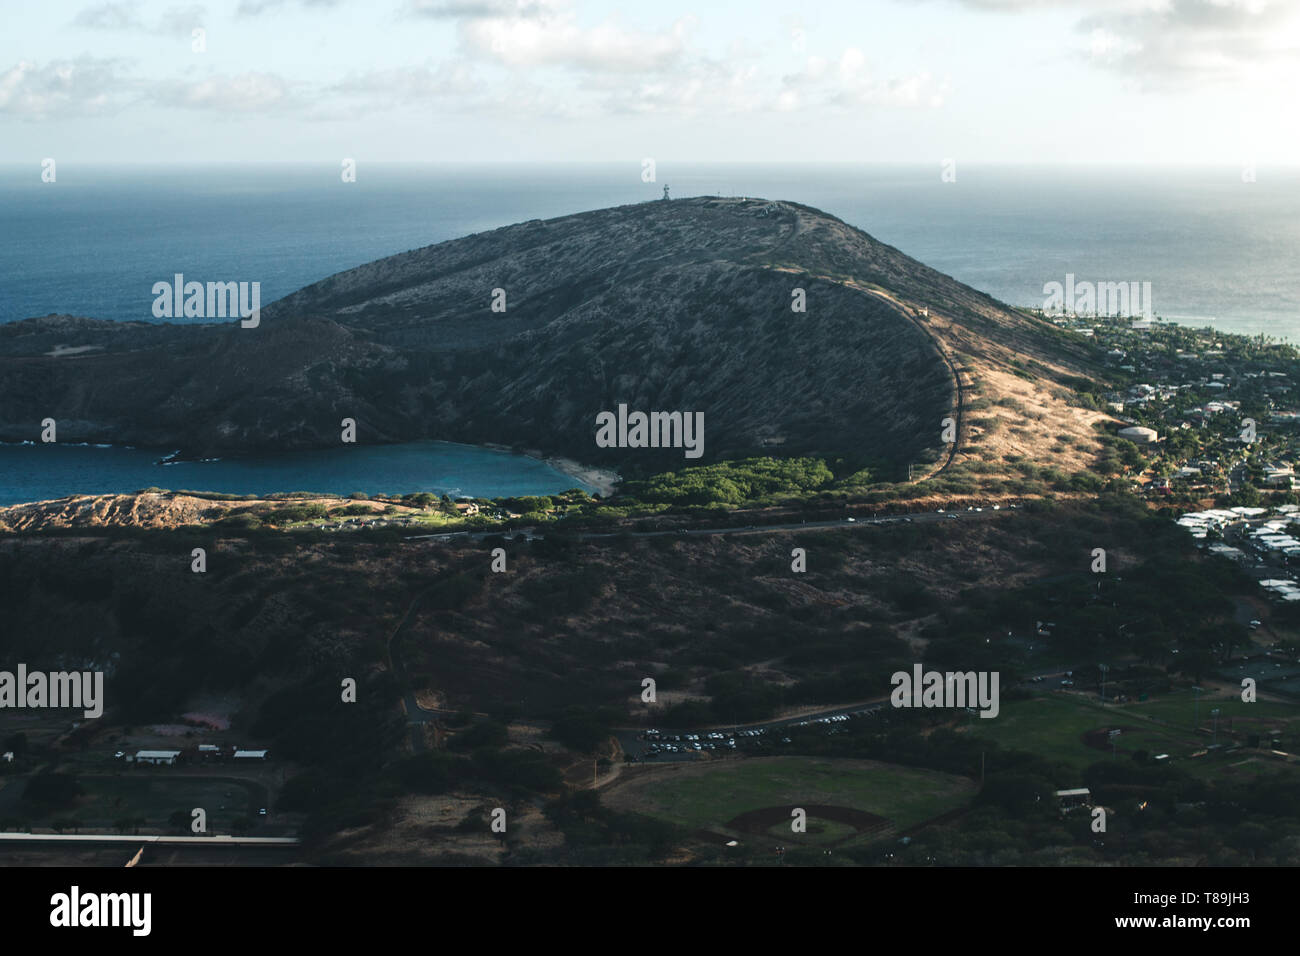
1179, 706
153, 797
1054, 725
708, 795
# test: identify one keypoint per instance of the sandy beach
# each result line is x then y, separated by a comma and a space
602, 479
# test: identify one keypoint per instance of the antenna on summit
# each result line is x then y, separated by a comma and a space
665, 190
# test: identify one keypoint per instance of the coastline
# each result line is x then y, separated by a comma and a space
602, 479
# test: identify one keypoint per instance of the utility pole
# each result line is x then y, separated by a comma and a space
1196, 708
1104, 668
1215, 714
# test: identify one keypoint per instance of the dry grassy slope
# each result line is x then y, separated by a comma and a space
1009, 360
143, 510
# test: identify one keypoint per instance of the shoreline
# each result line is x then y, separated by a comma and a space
602, 479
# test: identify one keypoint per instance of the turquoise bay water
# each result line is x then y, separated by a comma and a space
39, 472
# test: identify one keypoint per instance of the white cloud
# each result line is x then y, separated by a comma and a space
450, 85
173, 21
64, 87
110, 16
548, 34
472, 9
252, 92
849, 83
1179, 44
252, 8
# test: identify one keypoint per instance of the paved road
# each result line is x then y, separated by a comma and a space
86, 838
833, 524
416, 716
630, 738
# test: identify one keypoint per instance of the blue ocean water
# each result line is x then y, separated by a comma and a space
1216, 250
41, 472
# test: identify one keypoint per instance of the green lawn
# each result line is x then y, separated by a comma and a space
154, 795
1177, 707
708, 795
1054, 724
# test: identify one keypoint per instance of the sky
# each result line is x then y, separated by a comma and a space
1184, 82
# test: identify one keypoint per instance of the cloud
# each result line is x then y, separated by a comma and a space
109, 16
83, 86
1179, 43
849, 83
1198, 42
700, 87
252, 8
473, 9
410, 83
251, 92
180, 21
546, 33
1081, 6
174, 21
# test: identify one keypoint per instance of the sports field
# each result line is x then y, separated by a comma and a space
844, 799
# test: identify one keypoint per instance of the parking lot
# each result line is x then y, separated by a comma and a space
659, 745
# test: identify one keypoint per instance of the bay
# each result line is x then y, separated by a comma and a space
39, 472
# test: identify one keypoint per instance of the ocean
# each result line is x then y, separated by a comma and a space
1217, 251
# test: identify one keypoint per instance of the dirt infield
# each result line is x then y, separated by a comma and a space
761, 820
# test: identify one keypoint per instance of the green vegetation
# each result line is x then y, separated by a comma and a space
749, 481
709, 797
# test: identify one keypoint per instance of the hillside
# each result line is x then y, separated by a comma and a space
681, 305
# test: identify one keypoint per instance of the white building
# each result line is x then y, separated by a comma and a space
157, 757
